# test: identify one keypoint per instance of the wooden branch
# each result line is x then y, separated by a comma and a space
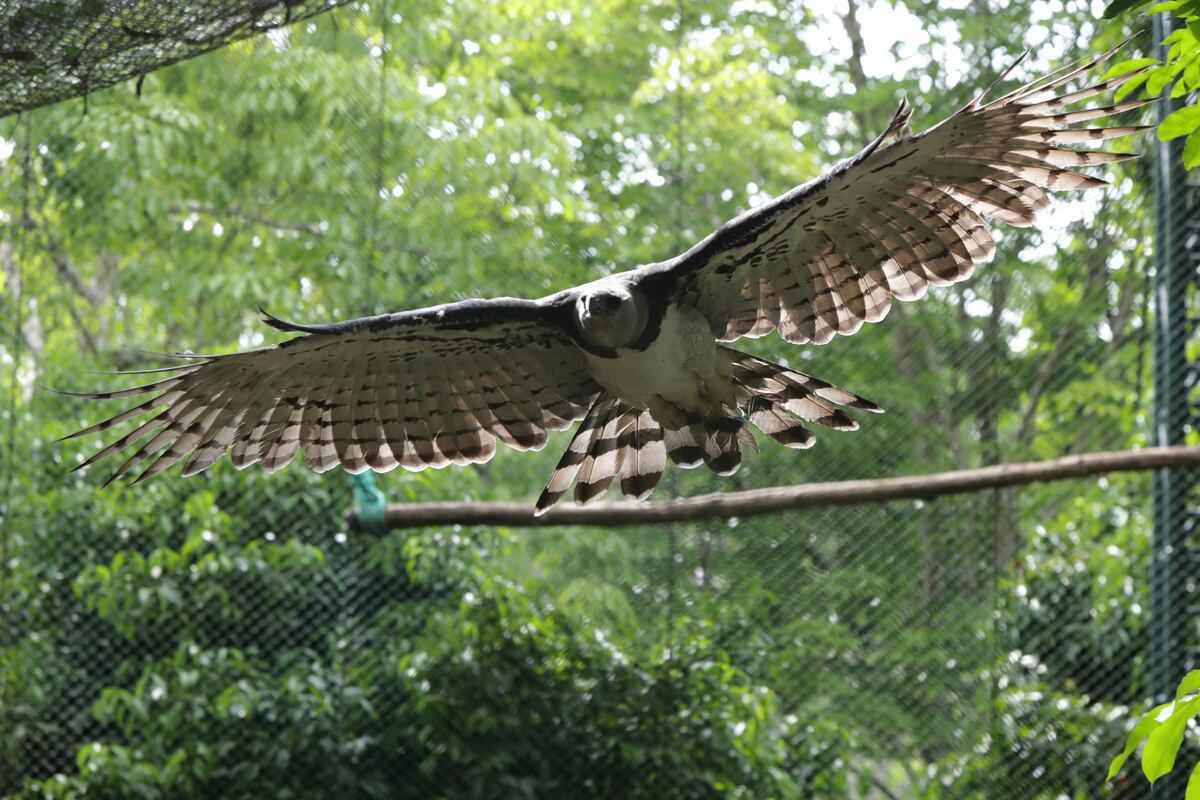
756, 502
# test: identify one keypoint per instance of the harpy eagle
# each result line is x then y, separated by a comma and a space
639, 356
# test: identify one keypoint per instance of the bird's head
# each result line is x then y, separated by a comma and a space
611, 315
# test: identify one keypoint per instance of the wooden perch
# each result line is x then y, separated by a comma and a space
756, 502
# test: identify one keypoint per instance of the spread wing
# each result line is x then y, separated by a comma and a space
892, 220
418, 389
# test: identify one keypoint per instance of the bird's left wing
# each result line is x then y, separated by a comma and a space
892, 220
417, 389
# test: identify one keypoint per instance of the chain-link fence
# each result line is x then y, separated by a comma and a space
227, 635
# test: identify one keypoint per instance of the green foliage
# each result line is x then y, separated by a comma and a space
206, 722
497, 694
1042, 735
513, 691
1162, 729
212, 576
1180, 71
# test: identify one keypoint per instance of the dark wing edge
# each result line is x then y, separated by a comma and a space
417, 389
895, 218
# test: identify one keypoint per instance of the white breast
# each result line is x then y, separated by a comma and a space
675, 366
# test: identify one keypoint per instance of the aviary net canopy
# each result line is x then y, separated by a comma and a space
52, 50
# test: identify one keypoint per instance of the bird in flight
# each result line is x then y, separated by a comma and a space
640, 356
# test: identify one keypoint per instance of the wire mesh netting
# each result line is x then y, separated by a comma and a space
227, 635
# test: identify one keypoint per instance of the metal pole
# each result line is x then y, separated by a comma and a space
1173, 563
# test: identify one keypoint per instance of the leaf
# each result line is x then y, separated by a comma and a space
1130, 87
1162, 745
1191, 150
1117, 7
1159, 78
1171, 5
1136, 736
1179, 123
1129, 65
1193, 786
1189, 684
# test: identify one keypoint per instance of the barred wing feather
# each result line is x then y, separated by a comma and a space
420, 389
891, 221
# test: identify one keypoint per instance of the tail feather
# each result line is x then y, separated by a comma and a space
776, 398
568, 466
600, 465
614, 441
685, 445
645, 456
784, 428
723, 444
809, 398
618, 441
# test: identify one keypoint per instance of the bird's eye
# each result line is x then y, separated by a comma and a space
610, 301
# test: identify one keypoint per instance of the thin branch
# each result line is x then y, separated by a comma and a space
248, 217
882, 787
756, 502
312, 229
69, 277
67, 272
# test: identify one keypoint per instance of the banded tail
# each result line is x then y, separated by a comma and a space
616, 440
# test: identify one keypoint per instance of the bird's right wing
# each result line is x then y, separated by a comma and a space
418, 389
